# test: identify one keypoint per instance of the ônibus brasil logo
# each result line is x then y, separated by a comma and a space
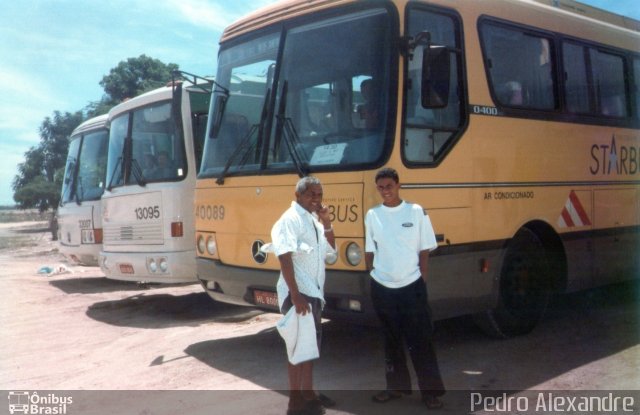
33, 403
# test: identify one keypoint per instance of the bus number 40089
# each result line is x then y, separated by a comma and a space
209, 212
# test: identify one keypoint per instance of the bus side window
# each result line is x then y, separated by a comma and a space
520, 67
595, 81
511, 93
428, 131
576, 78
609, 74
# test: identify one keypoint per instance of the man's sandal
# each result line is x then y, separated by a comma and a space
386, 396
432, 402
326, 401
321, 400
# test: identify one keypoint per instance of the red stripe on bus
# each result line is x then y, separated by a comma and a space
567, 218
579, 209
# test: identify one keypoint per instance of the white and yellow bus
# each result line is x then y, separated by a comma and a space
79, 214
155, 147
513, 123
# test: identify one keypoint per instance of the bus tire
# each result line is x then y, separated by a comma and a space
524, 288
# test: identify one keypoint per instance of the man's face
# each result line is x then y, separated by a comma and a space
389, 190
311, 199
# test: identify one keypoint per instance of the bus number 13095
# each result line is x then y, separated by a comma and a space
150, 212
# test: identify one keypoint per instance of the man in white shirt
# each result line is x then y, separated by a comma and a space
301, 239
398, 239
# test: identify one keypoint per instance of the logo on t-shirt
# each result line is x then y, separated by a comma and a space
407, 224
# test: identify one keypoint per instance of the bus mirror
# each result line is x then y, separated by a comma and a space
216, 122
436, 78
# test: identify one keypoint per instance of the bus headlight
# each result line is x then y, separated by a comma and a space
164, 265
331, 258
201, 244
354, 254
212, 247
153, 266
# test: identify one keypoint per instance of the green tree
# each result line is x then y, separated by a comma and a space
39, 178
54, 136
134, 77
43, 161
100, 107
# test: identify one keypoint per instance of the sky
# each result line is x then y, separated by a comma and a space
53, 54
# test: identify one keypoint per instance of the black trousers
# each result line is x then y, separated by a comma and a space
405, 317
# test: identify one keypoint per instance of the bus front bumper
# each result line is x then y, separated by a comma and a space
83, 254
165, 267
347, 293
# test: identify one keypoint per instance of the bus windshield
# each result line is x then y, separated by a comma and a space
316, 108
145, 146
86, 167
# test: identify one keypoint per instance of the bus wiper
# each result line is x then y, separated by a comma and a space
243, 147
113, 173
79, 189
69, 182
137, 173
286, 129
123, 162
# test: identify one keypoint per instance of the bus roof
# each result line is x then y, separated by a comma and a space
291, 8
155, 95
594, 13
91, 124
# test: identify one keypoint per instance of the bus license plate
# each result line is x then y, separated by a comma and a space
126, 268
267, 298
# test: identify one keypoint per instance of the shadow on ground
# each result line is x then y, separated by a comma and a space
578, 329
94, 285
29, 230
149, 310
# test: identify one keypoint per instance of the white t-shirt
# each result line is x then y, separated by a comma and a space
396, 235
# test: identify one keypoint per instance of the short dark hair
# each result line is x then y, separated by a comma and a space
388, 173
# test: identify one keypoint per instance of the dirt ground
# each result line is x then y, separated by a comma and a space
121, 347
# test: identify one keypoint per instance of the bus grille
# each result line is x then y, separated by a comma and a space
138, 234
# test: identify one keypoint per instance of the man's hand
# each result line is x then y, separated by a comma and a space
300, 303
324, 216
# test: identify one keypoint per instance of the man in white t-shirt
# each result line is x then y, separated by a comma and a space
398, 239
301, 239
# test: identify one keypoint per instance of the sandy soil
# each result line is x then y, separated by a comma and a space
78, 331
54, 324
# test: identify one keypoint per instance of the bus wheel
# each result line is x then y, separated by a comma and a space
524, 288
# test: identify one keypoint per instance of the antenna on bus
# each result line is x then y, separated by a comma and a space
200, 82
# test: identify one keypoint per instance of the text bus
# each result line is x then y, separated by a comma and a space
155, 148
513, 123
79, 214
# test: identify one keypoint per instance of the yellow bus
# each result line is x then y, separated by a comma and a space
513, 123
